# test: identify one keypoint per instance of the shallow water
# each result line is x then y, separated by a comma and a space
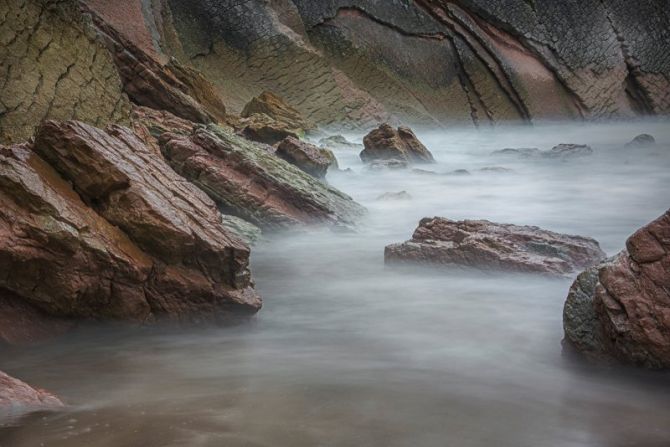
347, 352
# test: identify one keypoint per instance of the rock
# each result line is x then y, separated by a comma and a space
132, 241
528, 152
18, 398
496, 170
338, 142
565, 151
249, 182
620, 310
391, 164
23, 324
269, 104
460, 172
246, 231
642, 140
490, 246
402, 195
423, 172
263, 129
313, 160
385, 143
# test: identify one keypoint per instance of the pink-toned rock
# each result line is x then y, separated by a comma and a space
621, 309
387, 143
18, 398
486, 245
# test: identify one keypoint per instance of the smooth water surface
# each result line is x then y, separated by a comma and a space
347, 352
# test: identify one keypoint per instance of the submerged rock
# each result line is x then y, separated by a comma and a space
496, 170
492, 246
95, 225
387, 143
621, 308
564, 151
524, 152
312, 159
254, 184
391, 164
338, 142
18, 398
642, 140
402, 195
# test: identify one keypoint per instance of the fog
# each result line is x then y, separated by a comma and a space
348, 352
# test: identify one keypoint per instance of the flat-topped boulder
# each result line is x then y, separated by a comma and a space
310, 158
387, 143
268, 114
248, 181
491, 246
620, 309
18, 398
95, 225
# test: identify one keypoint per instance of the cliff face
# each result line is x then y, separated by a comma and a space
425, 61
352, 62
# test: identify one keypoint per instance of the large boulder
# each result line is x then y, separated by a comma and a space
249, 181
18, 398
267, 118
387, 143
491, 246
312, 159
621, 308
95, 225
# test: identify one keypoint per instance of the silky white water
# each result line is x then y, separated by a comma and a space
347, 352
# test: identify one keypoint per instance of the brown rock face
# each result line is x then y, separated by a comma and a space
387, 143
621, 309
249, 181
17, 398
264, 129
313, 160
132, 241
491, 246
276, 108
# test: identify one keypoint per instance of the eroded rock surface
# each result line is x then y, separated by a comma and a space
18, 398
249, 181
133, 240
621, 308
387, 143
312, 159
486, 245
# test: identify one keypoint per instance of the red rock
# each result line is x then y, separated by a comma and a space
312, 159
132, 241
18, 398
386, 143
491, 246
621, 309
250, 182
274, 106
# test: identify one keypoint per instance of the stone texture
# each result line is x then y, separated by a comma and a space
621, 309
387, 143
312, 159
339, 142
129, 240
264, 129
18, 398
267, 103
565, 151
490, 246
52, 66
250, 182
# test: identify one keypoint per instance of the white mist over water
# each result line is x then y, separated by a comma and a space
347, 352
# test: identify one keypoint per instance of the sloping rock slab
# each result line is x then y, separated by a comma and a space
385, 143
132, 241
248, 181
18, 398
621, 309
490, 246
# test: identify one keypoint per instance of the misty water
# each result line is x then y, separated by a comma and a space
347, 352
